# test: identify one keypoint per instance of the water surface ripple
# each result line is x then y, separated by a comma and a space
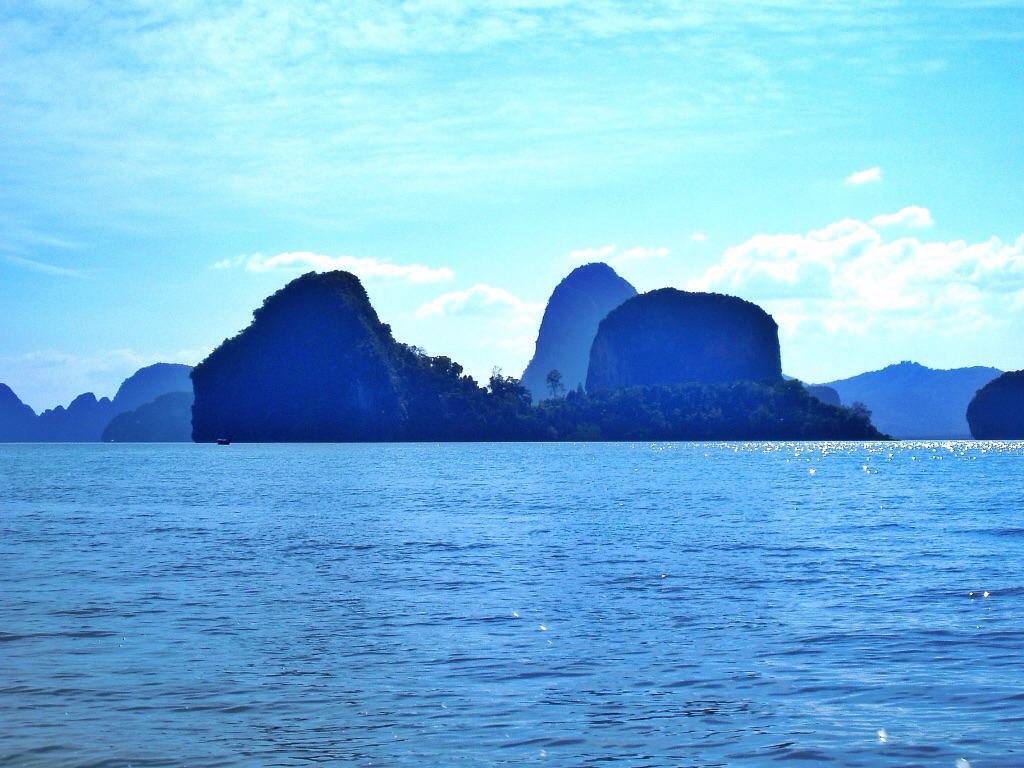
505, 605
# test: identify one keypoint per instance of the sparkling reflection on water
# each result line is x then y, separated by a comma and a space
474, 605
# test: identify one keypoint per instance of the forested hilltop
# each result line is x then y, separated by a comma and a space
317, 364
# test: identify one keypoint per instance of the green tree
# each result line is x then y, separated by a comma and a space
554, 381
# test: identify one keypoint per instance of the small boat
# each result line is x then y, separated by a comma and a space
223, 441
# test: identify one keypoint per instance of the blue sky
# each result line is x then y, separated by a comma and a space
855, 167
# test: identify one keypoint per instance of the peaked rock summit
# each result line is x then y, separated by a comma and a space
669, 336
576, 307
997, 410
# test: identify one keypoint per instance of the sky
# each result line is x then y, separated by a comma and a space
857, 168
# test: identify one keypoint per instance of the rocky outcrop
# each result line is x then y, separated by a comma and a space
997, 410
168, 419
576, 307
670, 337
911, 401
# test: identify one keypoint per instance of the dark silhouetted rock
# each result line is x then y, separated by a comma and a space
997, 410
149, 383
908, 400
17, 420
168, 419
827, 395
576, 307
673, 337
315, 364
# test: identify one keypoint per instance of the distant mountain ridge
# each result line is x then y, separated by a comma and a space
576, 307
86, 417
911, 401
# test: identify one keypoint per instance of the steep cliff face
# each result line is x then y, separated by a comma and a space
17, 420
315, 364
912, 401
576, 307
149, 383
672, 337
997, 410
168, 419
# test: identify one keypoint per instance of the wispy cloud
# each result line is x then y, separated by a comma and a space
867, 176
912, 216
159, 109
482, 299
39, 266
365, 268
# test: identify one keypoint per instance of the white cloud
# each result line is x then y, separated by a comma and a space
698, 237
850, 277
365, 268
867, 176
483, 299
611, 254
911, 216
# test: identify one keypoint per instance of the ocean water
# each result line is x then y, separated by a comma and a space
506, 605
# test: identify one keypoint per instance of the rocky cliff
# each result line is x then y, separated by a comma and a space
670, 337
997, 410
576, 307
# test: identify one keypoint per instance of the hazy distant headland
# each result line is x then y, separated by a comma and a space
910, 401
317, 364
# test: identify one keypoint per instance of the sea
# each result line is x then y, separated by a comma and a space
594, 604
